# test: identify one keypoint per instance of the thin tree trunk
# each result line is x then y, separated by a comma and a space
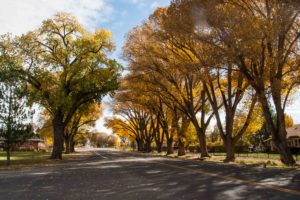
159, 147
72, 145
67, 145
140, 145
202, 141
8, 155
159, 137
58, 145
181, 148
170, 149
148, 146
181, 131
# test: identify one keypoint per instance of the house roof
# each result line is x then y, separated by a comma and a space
293, 131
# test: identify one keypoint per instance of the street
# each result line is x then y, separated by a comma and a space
111, 174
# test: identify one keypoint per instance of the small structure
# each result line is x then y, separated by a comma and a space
32, 144
293, 138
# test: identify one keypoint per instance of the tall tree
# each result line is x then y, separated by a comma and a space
66, 67
229, 89
262, 39
168, 71
15, 116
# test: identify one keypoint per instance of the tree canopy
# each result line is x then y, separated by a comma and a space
65, 67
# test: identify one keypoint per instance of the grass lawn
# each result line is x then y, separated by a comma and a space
24, 155
253, 155
22, 159
25, 159
251, 159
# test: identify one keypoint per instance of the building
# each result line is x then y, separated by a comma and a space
32, 144
293, 138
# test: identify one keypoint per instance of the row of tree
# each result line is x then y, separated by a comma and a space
232, 61
103, 140
63, 68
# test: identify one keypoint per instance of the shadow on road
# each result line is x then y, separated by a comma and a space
119, 175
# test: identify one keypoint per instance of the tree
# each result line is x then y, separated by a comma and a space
66, 67
289, 121
230, 90
260, 136
158, 60
261, 38
214, 136
100, 139
266, 57
84, 118
15, 116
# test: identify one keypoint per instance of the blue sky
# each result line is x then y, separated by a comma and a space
119, 16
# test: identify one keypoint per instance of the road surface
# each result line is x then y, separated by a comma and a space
109, 174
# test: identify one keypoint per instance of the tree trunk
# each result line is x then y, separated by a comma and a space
170, 149
202, 142
278, 131
159, 136
203, 147
282, 147
58, 145
67, 145
159, 146
148, 146
230, 151
8, 156
181, 148
140, 145
72, 145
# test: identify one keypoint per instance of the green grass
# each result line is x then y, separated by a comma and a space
22, 159
272, 156
27, 159
250, 159
24, 155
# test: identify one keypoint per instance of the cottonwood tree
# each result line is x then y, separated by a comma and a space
230, 89
100, 139
65, 67
84, 119
262, 39
134, 119
166, 68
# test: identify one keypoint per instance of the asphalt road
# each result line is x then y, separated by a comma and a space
108, 174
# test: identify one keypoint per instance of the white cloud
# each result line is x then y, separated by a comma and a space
19, 16
152, 4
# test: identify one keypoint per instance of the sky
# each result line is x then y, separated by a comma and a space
119, 16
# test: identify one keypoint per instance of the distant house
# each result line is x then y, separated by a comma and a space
293, 138
32, 144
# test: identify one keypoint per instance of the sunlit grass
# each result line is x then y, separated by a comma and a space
249, 159
22, 159
24, 155
253, 155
